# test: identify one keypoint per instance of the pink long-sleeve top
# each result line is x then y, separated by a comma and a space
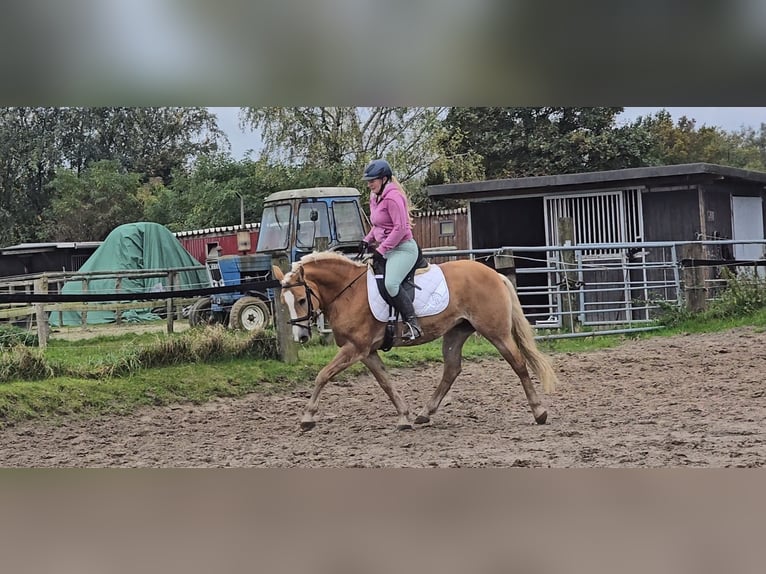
390, 219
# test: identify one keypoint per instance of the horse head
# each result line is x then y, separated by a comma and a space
312, 284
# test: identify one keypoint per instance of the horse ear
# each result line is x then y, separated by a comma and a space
277, 272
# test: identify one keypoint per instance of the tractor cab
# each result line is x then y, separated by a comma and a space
298, 221
294, 223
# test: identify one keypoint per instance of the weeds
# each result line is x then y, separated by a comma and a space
11, 336
194, 346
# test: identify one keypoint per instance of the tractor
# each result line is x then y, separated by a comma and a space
294, 223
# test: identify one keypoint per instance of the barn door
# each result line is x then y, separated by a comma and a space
599, 218
747, 223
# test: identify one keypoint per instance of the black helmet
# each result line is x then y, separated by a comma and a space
377, 168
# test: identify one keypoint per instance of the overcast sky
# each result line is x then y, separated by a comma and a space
729, 119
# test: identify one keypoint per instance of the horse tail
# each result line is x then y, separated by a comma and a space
524, 336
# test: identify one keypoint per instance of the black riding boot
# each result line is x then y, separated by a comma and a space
404, 305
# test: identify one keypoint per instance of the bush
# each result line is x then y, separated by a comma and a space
744, 294
11, 336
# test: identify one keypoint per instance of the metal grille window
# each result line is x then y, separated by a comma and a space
608, 217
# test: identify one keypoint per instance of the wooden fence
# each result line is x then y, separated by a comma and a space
171, 301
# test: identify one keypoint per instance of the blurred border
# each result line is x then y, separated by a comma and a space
339, 52
363, 53
377, 521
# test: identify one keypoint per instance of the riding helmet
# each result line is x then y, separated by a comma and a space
377, 168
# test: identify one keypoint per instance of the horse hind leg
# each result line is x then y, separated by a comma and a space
452, 348
378, 370
512, 354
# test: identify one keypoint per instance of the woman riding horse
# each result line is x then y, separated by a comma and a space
479, 300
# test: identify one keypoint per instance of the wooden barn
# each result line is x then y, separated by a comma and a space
29, 258
441, 230
687, 202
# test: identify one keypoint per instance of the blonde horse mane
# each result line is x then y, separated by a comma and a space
321, 256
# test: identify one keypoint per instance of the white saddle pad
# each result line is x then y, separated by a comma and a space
432, 297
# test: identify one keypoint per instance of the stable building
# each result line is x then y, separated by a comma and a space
688, 202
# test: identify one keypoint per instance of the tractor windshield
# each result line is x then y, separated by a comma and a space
313, 222
275, 228
348, 221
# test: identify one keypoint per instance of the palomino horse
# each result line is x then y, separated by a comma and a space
480, 300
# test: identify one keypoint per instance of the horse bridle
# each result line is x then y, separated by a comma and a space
311, 313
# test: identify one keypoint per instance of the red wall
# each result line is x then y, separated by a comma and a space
196, 245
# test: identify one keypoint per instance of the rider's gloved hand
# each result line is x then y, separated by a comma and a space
364, 247
377, 257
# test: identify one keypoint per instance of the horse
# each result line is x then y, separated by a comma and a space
481, 300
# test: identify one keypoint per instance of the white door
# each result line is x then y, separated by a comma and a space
747, 223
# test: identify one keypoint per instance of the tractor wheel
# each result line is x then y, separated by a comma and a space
249, 314
200, 313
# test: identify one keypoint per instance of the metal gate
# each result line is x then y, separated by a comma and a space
603, 272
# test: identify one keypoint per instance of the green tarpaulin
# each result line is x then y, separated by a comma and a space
134, 246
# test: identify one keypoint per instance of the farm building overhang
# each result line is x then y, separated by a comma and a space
496, 188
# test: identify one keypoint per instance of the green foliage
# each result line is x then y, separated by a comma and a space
743, 297
11, 336
518, 142
88, 206
23, 363
745, 294
408, 137
36, 143
683, 142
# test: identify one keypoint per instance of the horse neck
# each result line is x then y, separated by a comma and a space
331, 277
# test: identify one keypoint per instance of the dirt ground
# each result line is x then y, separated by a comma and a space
685, 401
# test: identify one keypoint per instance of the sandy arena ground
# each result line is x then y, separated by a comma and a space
684, 401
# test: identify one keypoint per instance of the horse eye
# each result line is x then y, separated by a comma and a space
302, 301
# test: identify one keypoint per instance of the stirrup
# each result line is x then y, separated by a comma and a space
415, 331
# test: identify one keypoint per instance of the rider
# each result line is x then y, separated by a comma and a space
391, 235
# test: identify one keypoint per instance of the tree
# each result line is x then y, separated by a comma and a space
154, 142
29, 155
683, 142
519, 142
36, 142
89, 206
347, 138
214, 191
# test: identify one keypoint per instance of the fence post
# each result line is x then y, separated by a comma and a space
288, 351
693, 278
118, 289
43, 328
169, 309
84, 313
506, 264
569, 274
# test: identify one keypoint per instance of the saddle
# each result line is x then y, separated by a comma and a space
408, 285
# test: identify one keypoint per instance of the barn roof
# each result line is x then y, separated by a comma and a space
596, 179
222, 229
30, 248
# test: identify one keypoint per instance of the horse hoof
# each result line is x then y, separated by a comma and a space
541, 418
422, 419
307, 425
404, 426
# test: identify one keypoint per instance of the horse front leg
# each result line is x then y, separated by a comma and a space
378, 370
345, 357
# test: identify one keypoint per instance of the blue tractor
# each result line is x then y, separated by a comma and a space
294, 223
